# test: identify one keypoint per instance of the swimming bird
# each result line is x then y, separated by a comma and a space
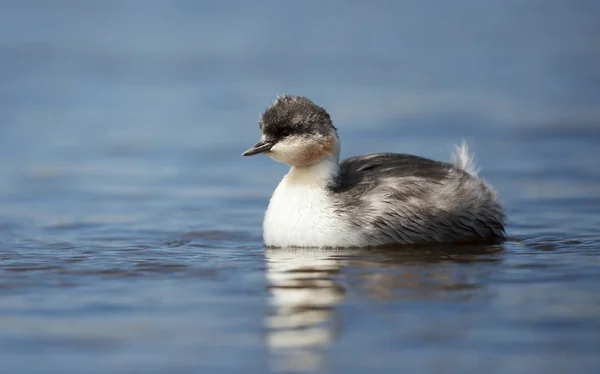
370, 200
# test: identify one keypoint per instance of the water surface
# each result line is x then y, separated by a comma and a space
130, 227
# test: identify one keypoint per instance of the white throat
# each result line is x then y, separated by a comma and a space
319, 175
302, 212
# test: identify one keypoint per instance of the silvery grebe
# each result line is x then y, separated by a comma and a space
370, 200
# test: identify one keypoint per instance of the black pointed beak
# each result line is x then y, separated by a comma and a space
260, 147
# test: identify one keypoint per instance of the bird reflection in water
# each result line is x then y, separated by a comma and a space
304, 291
307, 286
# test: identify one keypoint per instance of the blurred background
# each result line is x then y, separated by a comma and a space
130, 227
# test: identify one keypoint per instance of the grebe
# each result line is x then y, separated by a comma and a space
370, 200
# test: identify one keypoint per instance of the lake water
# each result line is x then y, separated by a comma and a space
130, 227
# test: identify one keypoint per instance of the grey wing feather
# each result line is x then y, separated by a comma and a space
399, 198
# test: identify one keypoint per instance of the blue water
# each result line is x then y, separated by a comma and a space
130, 227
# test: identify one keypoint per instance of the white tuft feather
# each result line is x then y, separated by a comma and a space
463, 160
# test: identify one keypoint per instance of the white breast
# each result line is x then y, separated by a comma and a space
301, 215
